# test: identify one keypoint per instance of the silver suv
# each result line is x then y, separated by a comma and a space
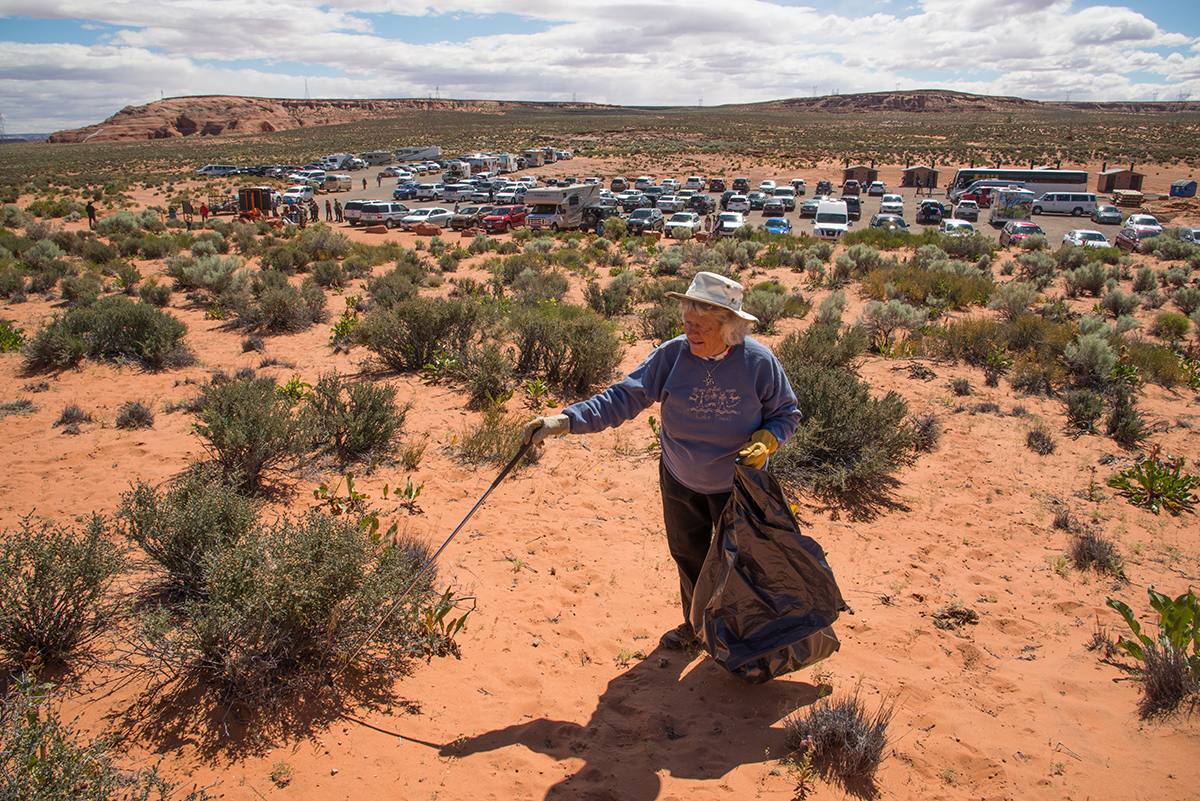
387, 212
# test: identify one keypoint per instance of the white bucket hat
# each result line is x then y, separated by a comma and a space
716, 290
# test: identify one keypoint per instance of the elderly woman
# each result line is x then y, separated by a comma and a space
725, 400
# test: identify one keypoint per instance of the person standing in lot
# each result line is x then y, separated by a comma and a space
328, 211
364, 184
725, 400
337, 210
203, 213
91, 213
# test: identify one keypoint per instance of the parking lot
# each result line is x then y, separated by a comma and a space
1055, 226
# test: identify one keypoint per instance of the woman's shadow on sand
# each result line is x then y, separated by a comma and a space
694, 720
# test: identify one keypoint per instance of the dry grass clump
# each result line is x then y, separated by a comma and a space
847, 741
134, 415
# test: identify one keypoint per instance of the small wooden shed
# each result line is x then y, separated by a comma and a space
860, 172
919, 175
1111, 180
1184, 187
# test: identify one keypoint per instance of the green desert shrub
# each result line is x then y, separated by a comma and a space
1084, 409
292, 600
882, 320
534, 286
45, 759
284, 309
822, 345
488, 370
1145, 280
848, 443
1037, 372
1091, 279
1091, 360
113, 327
409, 333
352, 418
329, 273
54, 589
1187, 300
80, 290
249, 429
1125, 423
181, 525
566, 345
154, 293
661, 322
1118, 303
614, 299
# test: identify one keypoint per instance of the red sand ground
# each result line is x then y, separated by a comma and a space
562, 691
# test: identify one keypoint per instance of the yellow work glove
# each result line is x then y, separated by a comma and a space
539, 428
761, 445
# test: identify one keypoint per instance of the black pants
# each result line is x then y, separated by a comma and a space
689, 518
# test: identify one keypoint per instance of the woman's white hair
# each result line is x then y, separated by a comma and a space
733, 328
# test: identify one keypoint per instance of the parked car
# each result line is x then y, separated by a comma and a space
694, 182
594, 216
619, 184
877, 189
681, 220
778, 225
387, 212
738, 203
888, 222
506, 218
631, 200
1130, 239
1143, 221
756, 200
704, 204
1016, 230
431, 192
728, 222
670, 203
773, 208
670, 185
469, 217
891, 204
767, 187
1190, 235
351, 209
512, 194
824, 188
653, 193
799, 185
716, 185
851, 187
434, 215
808, 208
1106, 215
741, 185
643, 220
724, 203
405, 191
930, 212
788, 195
956, 228
298, 194
1083, 238
853, 206
967, 210
643, 182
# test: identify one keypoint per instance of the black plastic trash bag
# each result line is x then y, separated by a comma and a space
766, 599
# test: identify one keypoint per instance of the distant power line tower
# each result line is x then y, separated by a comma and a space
1, 125
306, 97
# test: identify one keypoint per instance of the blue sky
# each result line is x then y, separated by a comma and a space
67, 63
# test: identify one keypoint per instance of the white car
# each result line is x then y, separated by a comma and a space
669, 203
767, 187
433, 216
1143, 221
877, 188
644, 182
891, 204
430, 191
694, 182
297, 194
728, 222
799, 185
738, 203
956, 228
529, 181
681, 220
1083, 238
671, 185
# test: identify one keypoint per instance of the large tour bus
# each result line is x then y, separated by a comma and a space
1038, 180
1011, 203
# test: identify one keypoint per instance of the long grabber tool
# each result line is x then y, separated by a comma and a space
391, 610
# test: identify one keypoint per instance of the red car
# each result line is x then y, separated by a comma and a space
505, 218
716, 185
1016, 230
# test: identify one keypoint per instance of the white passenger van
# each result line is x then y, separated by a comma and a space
832, 220
1074, 203
217, 169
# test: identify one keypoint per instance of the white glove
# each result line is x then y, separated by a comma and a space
541, 427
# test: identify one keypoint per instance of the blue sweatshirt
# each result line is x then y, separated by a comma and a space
709, 408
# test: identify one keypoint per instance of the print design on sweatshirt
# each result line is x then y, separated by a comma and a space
708, 403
